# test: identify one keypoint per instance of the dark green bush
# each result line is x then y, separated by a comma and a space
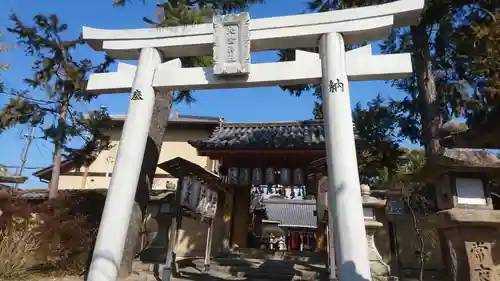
65, 228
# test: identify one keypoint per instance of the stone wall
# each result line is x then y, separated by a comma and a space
472, 250
407, 255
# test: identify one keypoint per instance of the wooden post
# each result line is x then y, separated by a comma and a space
208, 247
331, 256
174, 233
85, 175
219, 235
227, 218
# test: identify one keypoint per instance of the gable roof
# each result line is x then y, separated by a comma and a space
459, 160
463, 157
275, 135
43, 194
292, 213
481, 135
66, 165
6, 177
117, 121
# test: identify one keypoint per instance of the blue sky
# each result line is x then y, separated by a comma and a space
243, 105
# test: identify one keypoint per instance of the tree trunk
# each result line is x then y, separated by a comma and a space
429, 105
159, 121
56, 162
85, 175
428, 97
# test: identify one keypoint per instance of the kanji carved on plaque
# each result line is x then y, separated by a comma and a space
231, 51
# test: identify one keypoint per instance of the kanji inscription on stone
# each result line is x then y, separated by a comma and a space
479, 249
483, 272
333, 87
480, 261
231, 51
136, 95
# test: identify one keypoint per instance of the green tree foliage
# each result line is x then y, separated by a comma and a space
378, 149
63, 81
439, 89
382, 161
3, 48
220, 5
187, 12
478, 64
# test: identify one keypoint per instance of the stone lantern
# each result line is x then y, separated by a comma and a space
160, 213
466, 221
378, 266
461, 177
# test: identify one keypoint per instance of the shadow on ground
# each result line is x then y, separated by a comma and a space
235, 268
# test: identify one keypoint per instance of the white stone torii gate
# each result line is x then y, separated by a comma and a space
231, 39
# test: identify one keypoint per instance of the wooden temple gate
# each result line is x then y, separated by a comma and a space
261, 158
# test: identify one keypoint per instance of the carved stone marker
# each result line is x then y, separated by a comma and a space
470, 242
481, 266
232, 44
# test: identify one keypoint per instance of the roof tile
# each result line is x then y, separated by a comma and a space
291, 212
302, 134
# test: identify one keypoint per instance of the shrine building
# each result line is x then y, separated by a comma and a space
262, 164
266, 164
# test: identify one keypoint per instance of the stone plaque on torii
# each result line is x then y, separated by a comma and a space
231, 39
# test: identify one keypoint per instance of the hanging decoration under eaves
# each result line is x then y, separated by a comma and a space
244, 176
270, 176
198, 198
233, 175
285, 176
265, 176
298, 176
256, 176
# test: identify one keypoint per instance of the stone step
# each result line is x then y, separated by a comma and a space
267, 269
244, 269
276, 255
274, 275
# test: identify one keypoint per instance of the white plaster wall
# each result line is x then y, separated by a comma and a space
174, 145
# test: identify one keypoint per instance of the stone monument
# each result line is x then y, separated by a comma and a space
379, 268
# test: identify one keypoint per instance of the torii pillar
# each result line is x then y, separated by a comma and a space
108, 250
344, 198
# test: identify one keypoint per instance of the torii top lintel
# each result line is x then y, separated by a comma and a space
299, 31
